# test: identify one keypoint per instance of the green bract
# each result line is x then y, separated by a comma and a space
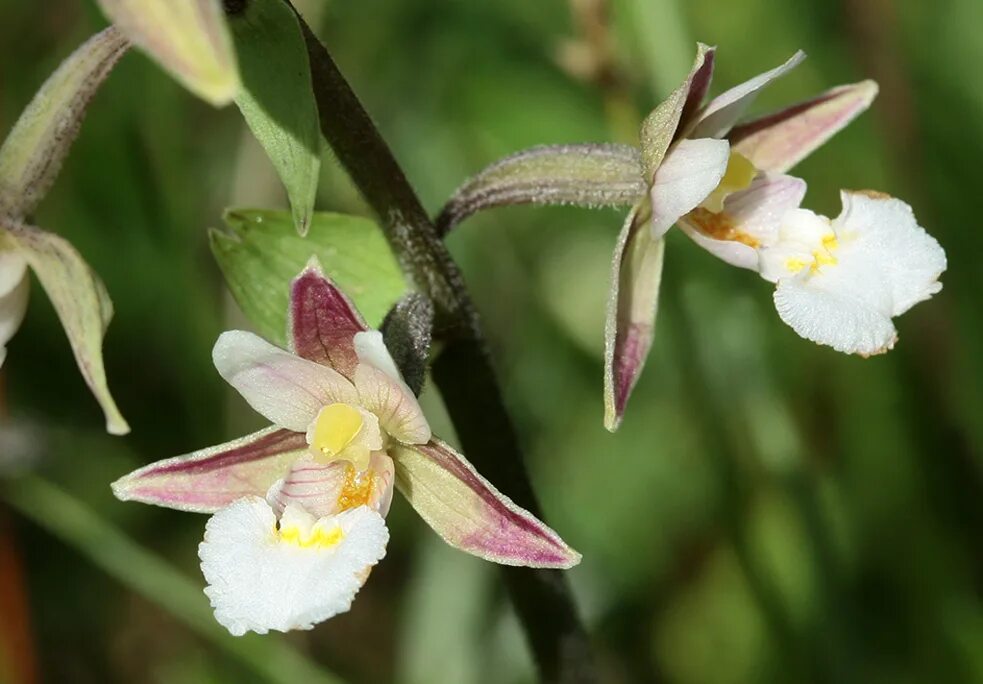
262, 252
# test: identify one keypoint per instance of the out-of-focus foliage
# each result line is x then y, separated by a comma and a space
769, 511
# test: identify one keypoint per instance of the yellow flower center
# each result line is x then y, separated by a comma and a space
357, 490
820, 257
334, 429
738, 176
317, 536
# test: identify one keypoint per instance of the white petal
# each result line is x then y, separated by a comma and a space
15, 287
885, 263
393, 403
259, 582
13, 267
908, 259
834, 317
750, 219
286, 389
723, 111
371, 349
690, 172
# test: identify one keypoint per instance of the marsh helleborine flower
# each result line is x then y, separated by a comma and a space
299, 508
838, 282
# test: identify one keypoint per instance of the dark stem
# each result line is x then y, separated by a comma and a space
463, 371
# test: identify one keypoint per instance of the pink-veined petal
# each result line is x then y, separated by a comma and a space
206, 480
689, 173
393, 403
470, 514
723, 111
286, 389
632, 305
330, 488
779, 141
323, 321
750, 219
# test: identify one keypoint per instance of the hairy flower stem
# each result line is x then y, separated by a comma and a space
463, 370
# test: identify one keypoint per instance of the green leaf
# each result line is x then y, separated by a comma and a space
277, 99
188, 38
262, 253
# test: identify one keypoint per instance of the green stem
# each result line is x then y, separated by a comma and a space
463, 370
154, 579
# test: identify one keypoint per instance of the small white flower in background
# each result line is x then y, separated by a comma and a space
299, 508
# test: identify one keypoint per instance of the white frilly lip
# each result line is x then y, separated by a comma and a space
886, 263
259, 582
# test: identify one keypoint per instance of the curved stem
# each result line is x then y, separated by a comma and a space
463, 371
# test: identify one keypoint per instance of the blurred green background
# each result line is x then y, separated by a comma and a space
770, 511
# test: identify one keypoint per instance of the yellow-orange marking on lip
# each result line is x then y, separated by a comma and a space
738, 175
824, 256
357, 490
720, 227
316, 537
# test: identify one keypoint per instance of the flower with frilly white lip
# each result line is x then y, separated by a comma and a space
841, 282
299, 508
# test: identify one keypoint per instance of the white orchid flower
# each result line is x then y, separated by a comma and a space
839, 283
299, 508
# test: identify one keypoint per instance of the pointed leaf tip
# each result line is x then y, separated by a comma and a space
189, 38
277, 98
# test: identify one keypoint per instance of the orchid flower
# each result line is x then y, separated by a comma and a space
724, 183
298, 509
839, 282
30, 159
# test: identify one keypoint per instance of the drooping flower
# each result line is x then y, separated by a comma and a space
840, 282
30, 159
725, 184
298, 508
